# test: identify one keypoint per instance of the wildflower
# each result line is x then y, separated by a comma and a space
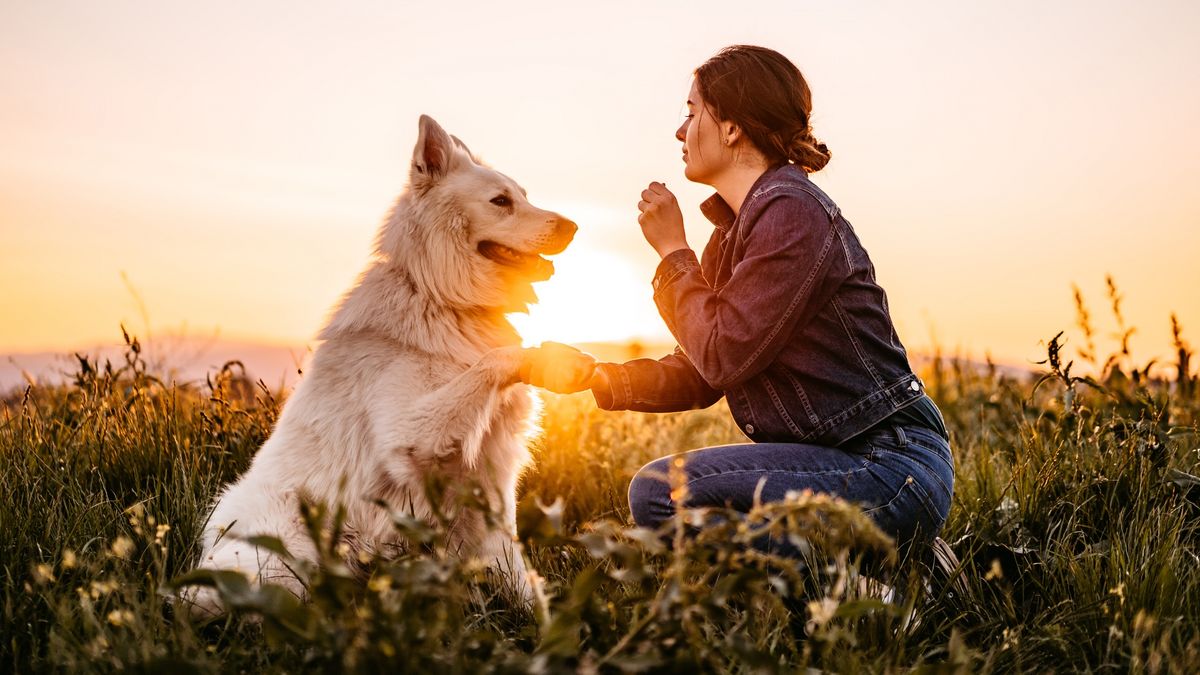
995, 572
160, 533
380, 583
820, 612
43, 573
96, 647
678, 480
69, 560
1011, 639
1143, 622
137, 514
122, 547
120, 617
99, 588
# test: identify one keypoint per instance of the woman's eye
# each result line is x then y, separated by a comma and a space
501, 200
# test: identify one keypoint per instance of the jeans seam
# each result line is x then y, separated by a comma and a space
948, 460
718, 474
929, 471
895, 498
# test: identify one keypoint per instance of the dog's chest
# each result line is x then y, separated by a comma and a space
514, 414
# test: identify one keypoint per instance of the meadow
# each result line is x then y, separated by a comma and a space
1076, 518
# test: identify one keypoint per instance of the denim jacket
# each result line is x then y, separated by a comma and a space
781, 315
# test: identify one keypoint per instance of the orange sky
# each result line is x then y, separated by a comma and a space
233, 162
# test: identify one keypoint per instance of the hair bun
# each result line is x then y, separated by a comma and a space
807, 152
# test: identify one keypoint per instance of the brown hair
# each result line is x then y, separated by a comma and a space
764, 93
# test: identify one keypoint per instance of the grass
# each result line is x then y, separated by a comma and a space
1076, 516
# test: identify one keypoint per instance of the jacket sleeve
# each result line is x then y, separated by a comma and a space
788, 271
669, 384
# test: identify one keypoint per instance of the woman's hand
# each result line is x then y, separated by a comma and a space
661, 220
558, 367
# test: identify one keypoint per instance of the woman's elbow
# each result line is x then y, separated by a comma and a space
720, 378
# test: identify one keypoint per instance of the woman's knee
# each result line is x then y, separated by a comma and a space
650, 495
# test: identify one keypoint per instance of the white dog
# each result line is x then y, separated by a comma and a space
417, 373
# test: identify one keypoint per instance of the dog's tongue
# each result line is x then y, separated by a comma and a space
541, 269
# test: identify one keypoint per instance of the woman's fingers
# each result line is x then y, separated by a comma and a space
657, 193
558, 367
661, 220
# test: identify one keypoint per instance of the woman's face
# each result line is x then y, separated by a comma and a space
705, 154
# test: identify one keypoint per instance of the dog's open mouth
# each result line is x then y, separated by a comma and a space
530, 263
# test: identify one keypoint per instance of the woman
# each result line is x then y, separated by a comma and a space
781, 315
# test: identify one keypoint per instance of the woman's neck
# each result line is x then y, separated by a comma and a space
735, 182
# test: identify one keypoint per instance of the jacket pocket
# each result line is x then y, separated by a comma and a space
780, 409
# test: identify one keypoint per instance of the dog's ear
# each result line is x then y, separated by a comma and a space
434, 151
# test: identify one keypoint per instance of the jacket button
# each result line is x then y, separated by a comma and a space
749, 429
915, 386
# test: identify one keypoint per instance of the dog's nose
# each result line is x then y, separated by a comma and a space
565, 228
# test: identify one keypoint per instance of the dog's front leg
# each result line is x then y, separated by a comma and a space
453, 418
503, 553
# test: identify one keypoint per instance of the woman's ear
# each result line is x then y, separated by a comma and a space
730, 133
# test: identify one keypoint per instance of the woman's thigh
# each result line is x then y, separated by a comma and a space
888, 476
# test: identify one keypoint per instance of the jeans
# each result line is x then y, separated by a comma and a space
902, 476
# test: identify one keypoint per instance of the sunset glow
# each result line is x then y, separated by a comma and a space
233, 163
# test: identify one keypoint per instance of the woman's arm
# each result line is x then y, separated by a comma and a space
669, 384
793, 262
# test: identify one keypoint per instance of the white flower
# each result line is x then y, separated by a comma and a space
820, 612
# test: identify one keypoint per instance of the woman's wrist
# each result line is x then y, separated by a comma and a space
667, 249
599, 380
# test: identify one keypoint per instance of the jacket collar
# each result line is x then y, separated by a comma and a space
718, 211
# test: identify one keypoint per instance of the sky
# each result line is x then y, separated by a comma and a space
221, 168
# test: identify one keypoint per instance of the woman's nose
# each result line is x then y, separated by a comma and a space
681, 132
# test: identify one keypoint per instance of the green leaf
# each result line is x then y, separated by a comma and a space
273, 544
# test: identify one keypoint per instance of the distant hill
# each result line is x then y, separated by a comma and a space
184, 359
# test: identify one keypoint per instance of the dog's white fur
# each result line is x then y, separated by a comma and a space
417, 373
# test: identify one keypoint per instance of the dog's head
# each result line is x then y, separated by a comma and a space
466, 232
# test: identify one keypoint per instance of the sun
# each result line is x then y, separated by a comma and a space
594, 296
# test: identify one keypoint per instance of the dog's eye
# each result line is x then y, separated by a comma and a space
501, 200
